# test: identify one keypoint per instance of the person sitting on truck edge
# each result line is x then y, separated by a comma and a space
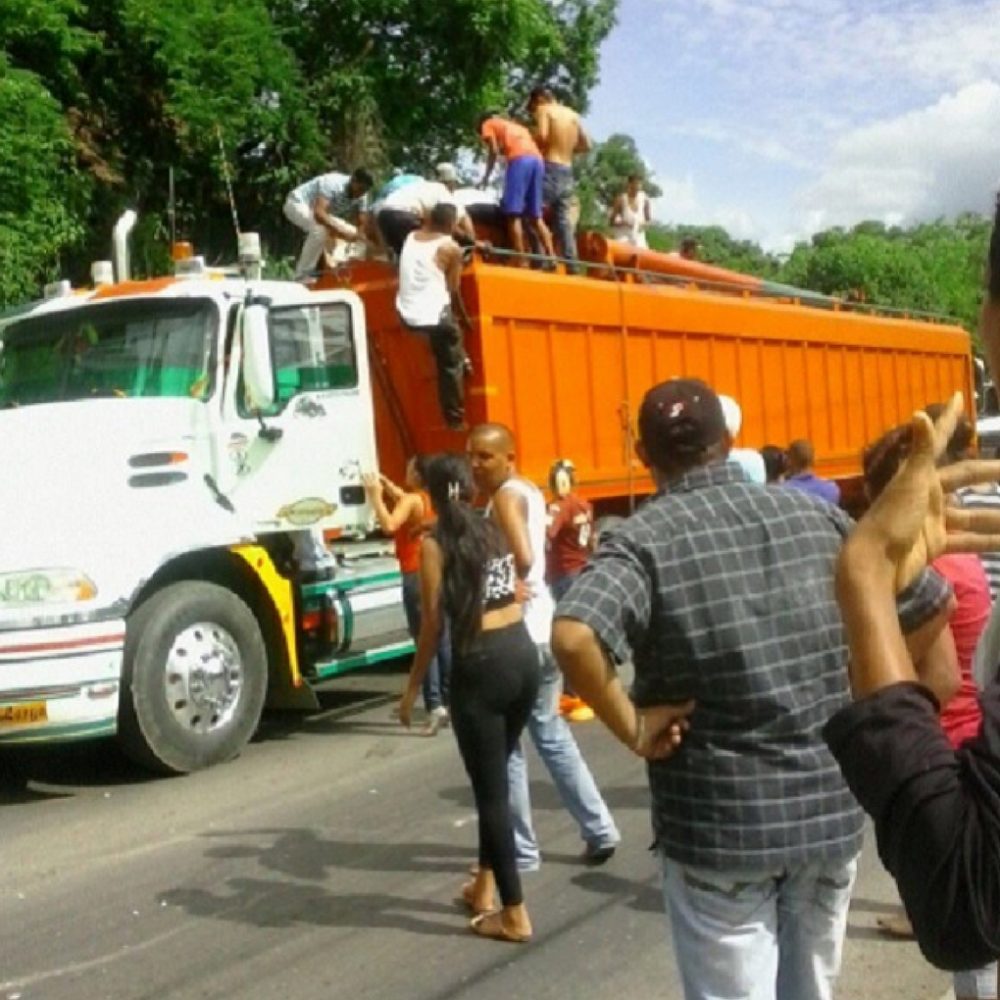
560, 135
407, 208
800, 476
330, 210
570, 536
468, 573
407, 519
721, 595
429, 298
523, 180
518, 506
631, 214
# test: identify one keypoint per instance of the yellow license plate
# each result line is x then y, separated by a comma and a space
24, 714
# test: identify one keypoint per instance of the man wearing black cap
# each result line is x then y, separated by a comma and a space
721, 592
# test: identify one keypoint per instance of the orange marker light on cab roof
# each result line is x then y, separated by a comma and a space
181, 250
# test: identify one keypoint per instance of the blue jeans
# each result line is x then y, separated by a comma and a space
435, 688
557, 194
758, 935
573, 780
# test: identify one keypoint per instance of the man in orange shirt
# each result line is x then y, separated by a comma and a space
523, 180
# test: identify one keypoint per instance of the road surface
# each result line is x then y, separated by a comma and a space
323, 863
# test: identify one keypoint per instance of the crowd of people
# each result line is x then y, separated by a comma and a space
729, 597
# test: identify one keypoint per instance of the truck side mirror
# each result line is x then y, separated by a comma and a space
258, 370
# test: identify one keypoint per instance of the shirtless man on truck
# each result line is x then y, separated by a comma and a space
560, 135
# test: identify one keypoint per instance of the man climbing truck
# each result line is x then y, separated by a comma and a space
162, 442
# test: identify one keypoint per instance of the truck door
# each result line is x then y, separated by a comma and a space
296, 463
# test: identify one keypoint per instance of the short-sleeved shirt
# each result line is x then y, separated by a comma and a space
570, 535
961, 716
809, 482
722, 590
989, 498
514, 140
420, 197
333, 187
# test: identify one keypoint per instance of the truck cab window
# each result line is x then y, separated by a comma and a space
312, 348
121, 350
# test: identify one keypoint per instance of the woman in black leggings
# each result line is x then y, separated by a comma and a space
467, 572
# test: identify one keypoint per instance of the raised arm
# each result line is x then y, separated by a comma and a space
407, 506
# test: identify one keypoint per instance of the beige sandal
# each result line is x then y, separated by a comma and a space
490, 925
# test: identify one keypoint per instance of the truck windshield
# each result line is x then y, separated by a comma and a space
119, 350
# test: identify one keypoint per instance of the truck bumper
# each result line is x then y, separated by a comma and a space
60, 683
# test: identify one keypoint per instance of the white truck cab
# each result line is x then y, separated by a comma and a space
161, 442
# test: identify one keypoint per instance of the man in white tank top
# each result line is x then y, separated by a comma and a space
430, 269
630, 214
519, 509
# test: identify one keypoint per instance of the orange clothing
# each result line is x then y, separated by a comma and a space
410, 535
514, 140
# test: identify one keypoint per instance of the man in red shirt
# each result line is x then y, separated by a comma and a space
570, 541
523, 179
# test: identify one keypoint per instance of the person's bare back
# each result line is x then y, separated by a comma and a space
559, 132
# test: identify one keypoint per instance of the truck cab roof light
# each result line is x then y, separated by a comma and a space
57, 289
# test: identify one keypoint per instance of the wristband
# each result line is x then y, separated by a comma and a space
640, 732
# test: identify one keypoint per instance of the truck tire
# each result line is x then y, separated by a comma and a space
194, 678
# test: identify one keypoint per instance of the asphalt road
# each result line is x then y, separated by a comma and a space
323, 863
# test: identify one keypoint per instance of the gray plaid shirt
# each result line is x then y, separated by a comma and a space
722, 591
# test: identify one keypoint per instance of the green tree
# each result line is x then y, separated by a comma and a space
716, 247
412, 76
42, 196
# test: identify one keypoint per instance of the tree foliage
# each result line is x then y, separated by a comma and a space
101, 99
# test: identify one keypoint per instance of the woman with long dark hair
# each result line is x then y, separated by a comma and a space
467, 572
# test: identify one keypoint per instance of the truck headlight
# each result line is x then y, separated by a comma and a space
59, 585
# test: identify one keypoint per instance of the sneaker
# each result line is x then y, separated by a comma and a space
437, 718
569, 703
597, 854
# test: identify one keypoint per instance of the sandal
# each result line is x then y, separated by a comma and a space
897, 925
468, 897
490, 925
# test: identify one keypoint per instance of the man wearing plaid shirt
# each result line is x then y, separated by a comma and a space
721, 591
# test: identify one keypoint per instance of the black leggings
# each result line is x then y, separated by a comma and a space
493, 688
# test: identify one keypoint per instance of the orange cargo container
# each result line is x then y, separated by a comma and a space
564, 360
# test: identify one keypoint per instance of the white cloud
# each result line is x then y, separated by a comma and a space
937, 161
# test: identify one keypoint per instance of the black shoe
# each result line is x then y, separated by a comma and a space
595, 855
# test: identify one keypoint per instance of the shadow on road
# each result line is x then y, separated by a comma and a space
264, 903
544, 796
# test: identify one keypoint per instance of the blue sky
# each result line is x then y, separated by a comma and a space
776, 118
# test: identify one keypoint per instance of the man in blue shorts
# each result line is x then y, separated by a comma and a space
523, 180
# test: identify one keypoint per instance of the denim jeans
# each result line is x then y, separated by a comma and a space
561, 756
758, 935
557, 194
435, 688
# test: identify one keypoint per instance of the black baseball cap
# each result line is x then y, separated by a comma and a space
679, 419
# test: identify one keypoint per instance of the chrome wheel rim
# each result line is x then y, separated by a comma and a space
204, 677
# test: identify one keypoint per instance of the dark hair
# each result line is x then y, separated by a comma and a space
881, 459
363, 177
774, 462
443, 215
634, 177
420, 463
993, 260
562, 465
800, 455
539, 93
468, 541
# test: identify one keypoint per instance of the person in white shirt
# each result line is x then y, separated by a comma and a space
631, 214
407, 208
430, 269
748, 459
330, 210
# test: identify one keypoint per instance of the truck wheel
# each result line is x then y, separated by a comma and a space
194, 678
